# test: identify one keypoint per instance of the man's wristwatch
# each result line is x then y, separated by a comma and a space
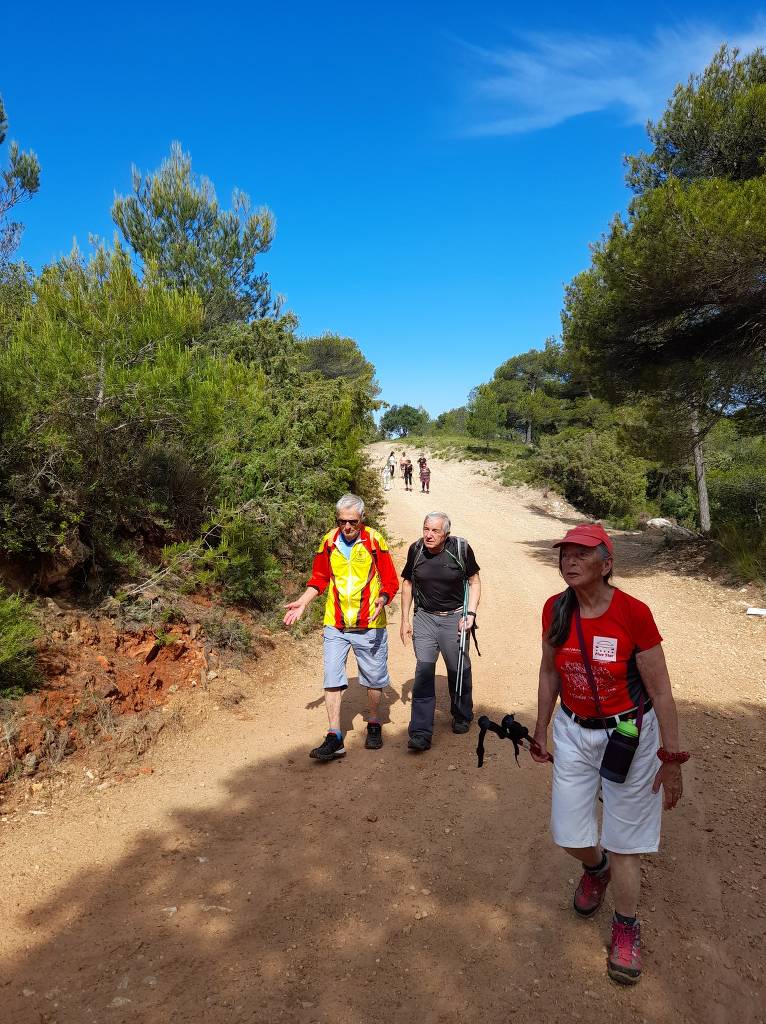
471, 613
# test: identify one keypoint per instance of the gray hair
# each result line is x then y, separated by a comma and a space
446, 524
351, 501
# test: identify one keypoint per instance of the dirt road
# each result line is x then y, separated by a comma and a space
241, 882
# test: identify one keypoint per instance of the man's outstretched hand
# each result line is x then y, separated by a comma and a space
294, 611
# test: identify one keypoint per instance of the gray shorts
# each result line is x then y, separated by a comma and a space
370, 647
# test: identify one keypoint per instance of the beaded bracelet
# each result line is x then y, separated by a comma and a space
671, 757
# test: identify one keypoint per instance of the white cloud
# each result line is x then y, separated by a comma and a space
547, 79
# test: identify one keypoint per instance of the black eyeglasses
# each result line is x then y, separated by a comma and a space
347, 522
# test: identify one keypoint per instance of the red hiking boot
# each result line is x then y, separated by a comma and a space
589, 894
624, 963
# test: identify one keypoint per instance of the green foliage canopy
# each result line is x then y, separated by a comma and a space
173, 222
18, 181
334, 357
125, 425
401, 420
485, 415
529, 388
713, 127
682, 280
453, 421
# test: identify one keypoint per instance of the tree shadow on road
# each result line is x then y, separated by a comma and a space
643, 554
383, 888
545, 512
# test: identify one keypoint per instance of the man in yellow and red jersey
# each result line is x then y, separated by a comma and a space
353, 564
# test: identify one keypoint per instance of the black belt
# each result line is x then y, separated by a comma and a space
454, 611
604, 723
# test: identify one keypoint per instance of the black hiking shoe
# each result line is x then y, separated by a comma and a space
419, 743
459, 725
330, 749
374, 739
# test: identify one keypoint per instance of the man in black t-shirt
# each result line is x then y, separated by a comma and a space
440, 572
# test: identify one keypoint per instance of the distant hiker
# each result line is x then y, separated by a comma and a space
407, 475
353, 564
442, 576
385, 476
425, 478
392, 464
602, 653
402, 463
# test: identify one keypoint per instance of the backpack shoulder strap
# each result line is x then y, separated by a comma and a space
456, 549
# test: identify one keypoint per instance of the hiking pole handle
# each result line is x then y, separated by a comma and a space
509, 729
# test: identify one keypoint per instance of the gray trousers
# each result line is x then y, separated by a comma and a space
433, 635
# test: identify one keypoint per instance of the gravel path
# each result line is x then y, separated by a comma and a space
239, 881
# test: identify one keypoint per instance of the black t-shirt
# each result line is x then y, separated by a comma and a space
438, 579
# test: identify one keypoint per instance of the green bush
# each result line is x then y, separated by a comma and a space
241, 563
593, 471
744, 550
18, 632
124, 426
227, 632
737, 486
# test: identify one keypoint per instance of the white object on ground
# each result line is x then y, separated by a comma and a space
756, 611
673, 529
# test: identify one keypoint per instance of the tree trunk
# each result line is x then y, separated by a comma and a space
528, 437
699, 472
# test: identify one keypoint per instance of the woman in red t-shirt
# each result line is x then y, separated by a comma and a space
623, 678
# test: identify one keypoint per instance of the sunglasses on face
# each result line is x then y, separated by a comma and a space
347, 522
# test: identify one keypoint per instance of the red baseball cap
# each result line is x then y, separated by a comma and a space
590, 535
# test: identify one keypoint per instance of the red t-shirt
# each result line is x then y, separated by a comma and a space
612, 641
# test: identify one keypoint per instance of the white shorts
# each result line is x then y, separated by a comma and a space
631, 812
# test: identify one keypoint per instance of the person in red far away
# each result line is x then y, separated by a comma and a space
353, 565
615, 734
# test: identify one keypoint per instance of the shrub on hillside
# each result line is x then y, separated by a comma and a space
227, 632
125, 428
593, 471
737, 480
18, 632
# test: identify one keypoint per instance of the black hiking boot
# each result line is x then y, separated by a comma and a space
330, 749
459, 725
374, 739
419, 743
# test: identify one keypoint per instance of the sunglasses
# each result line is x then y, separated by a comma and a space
347, 522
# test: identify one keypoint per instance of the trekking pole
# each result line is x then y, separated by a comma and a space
461, 645
509, 729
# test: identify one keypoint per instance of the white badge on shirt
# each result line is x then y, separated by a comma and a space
604, 648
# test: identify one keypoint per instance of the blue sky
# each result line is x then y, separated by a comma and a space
437, 170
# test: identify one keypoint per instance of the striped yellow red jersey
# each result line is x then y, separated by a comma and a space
354, 584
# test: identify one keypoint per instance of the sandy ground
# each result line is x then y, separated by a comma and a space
241, 881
